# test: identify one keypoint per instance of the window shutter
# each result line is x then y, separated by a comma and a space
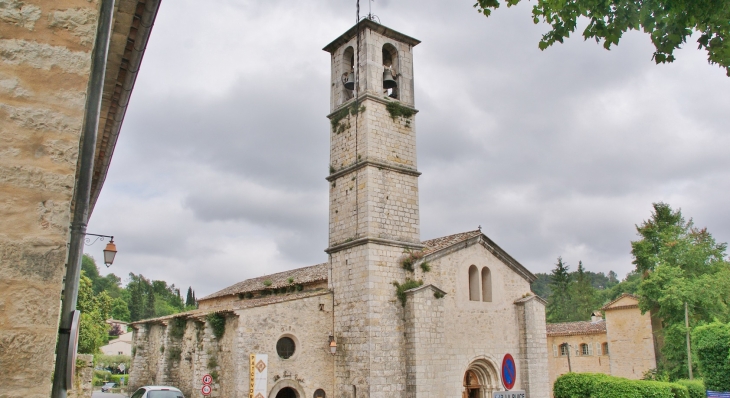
555, 350
590, 349
598, 349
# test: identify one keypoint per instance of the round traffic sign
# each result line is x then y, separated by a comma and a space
509, 372
207, 379
206, 390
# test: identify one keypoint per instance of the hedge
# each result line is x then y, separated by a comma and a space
696, 388
712, 344
598, 385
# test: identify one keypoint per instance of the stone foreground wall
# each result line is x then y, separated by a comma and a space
45, 60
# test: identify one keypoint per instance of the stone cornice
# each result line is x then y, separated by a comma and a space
374, 98
380, 241
381, 165
369, 24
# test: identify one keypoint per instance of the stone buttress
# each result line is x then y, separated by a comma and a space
374, 216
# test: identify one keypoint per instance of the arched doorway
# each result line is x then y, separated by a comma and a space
480, 380
287, 392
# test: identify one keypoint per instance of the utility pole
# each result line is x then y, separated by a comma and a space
567, 349
689, 346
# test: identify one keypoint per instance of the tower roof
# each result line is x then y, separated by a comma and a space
367, 23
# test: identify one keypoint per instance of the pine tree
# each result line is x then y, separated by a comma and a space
190, 300
558, 308
582, 296
149, 305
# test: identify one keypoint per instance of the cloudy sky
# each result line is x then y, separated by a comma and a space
219, 171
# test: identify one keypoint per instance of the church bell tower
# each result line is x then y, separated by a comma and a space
374, 210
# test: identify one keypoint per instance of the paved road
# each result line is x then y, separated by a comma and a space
98, 394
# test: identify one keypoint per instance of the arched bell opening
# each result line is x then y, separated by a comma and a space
348, 74
390, 71
480, 380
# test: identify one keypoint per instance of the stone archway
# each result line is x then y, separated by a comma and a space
287, 392
480, 379
287, 388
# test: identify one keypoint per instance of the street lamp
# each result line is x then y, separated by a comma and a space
333, 345
110, 251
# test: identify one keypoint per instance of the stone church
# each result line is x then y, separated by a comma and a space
387, 315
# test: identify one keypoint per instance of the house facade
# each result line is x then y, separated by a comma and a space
620, 345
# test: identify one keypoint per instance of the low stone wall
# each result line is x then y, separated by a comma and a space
82, 387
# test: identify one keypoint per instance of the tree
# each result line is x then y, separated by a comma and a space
95, 309
190, 299
558, 308
668, 23
582, 296
679, 264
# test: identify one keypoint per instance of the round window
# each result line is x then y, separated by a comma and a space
285, 347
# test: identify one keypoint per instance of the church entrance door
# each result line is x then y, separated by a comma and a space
287, 393
472, 387
480, 380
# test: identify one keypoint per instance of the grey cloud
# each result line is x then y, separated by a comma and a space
554, 153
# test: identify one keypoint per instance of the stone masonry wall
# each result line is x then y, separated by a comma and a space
533, 361
45, 56
369, 321
84, 375
476, 330
630, 342
185, 360
597, 362
424, 343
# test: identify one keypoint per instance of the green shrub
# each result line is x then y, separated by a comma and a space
177, 327
696, 388
118, 379
174, 353
400, 289
597, 385
218, 324
712, 344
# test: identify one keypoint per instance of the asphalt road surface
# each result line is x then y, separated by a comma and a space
98, 394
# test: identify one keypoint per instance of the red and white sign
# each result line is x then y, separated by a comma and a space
206, 390
207, 379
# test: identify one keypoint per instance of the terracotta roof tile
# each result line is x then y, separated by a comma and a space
314, 273
437, 244
576, 328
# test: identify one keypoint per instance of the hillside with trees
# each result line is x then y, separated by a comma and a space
104, 297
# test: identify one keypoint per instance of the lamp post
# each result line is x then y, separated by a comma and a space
567, 349
110, 251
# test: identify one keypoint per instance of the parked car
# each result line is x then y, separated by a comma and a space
157, 392
108, 386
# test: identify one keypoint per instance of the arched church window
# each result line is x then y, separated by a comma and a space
319, 393
486, 284
585, 349
348, 74
285, 347
390, 71
474, 285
